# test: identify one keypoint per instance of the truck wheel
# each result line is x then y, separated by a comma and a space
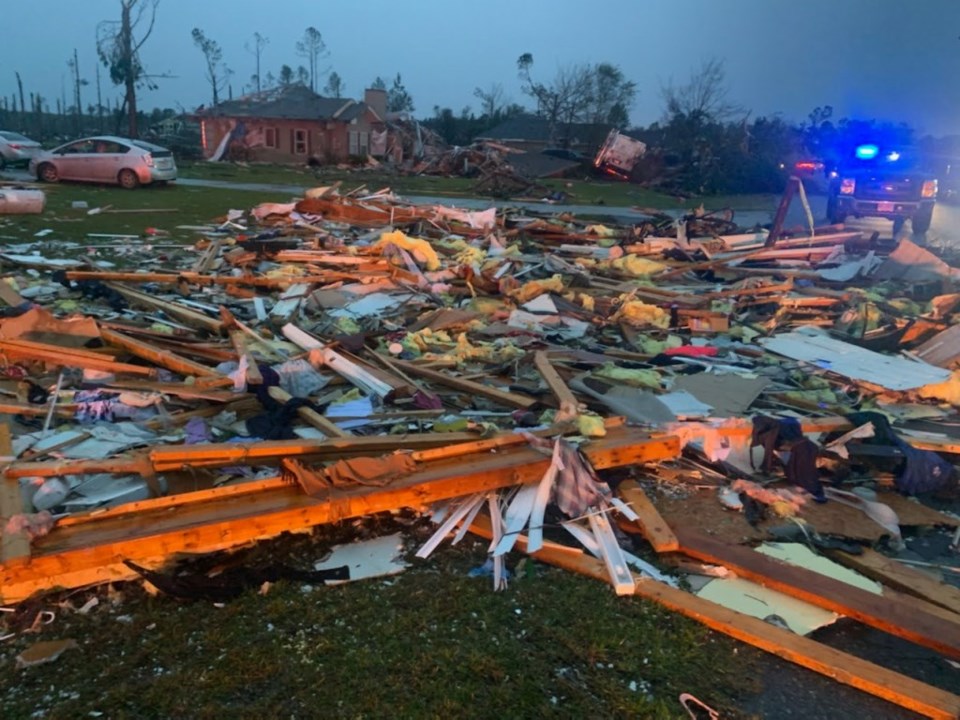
921, 221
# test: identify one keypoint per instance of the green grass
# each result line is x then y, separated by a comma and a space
194, 206
581, 192
430, 642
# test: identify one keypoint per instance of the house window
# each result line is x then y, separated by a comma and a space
300, 142
271, 137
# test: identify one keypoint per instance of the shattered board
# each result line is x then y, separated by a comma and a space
776, 608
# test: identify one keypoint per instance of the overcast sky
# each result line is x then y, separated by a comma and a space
886, 59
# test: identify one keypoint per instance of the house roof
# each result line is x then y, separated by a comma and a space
531, 128
295, 102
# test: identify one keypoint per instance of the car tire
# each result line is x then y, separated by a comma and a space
128, 179
48, 173
921, 221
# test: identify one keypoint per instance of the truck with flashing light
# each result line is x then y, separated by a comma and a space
883, 182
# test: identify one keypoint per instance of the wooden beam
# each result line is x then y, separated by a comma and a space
651, 525
80, 554
569, 406
163, 358
69, 357
309, 415
183, 314
884, 613
902, 577
842, 667
11, 503
468, 386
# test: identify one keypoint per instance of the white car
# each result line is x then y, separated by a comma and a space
106, 159
17, 149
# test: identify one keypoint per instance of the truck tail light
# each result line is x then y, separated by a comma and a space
847, 186
929, 189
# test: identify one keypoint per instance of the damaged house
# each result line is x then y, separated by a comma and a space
294, 125
535, 134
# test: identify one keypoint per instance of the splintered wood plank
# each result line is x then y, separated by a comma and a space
902, 577
309, 415
842, 667
84, 552
565, 397
650, 524
11, 503
158, 356
468, 386
892, 615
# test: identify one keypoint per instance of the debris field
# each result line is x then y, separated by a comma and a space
746, 425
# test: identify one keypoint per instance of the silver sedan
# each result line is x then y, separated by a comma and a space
106, 159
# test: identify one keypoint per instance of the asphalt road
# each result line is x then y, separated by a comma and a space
944, 231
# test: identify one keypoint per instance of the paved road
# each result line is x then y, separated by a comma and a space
944, 231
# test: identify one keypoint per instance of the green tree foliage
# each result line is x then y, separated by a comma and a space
398, 99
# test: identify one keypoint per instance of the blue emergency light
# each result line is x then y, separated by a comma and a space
867, 152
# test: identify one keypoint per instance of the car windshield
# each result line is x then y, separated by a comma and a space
13, 137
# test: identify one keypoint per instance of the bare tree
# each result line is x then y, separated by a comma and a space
255, 47
74, 65
119, 50
491, 100
704, 97
334, 87
218, 74
23, 108
312, 47
565, 100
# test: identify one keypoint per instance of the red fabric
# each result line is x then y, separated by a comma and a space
692, 351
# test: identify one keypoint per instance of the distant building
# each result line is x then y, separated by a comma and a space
294, 125
533, 134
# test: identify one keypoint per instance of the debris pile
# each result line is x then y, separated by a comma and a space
533, 379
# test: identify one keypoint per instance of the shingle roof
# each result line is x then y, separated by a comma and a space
295, 103
537, 129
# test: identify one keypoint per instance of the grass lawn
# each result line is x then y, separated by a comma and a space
428, 643
581, 192
192, 205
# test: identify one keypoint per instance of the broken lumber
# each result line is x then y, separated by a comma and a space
91, 552
889, 614
163, 358
468, 386
651, 525
840, 666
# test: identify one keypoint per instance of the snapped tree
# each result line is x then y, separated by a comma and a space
579, 93
218, 74
334, 87
255, 47
312, 48
119, 50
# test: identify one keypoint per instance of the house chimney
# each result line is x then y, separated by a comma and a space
377, 100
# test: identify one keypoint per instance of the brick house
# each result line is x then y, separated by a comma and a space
294, 125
